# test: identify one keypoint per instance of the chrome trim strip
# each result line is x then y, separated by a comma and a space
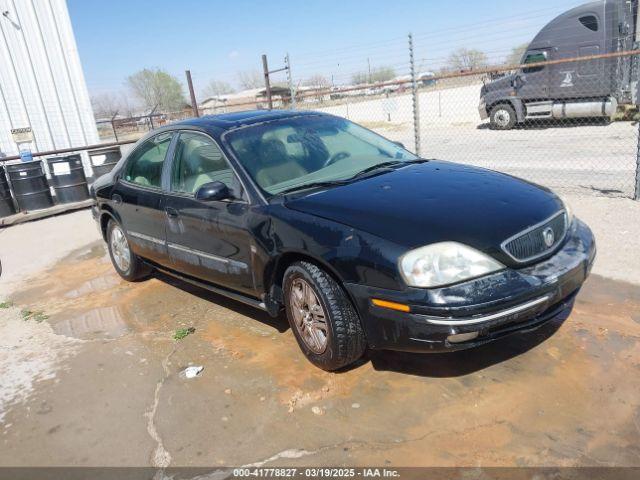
148, 238
200, 253
533, 227
492, 316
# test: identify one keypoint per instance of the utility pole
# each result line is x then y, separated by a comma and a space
369, 67
194, 104
414, 95
287, 63
267, 83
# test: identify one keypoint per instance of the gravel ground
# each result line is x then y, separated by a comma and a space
615, 223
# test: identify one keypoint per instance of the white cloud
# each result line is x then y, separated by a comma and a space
233, 54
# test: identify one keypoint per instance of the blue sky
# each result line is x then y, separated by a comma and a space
218, 39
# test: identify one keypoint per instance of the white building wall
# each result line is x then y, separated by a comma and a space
42, 85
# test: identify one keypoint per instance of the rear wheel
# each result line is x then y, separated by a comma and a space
127, 264
322, 317
503, 117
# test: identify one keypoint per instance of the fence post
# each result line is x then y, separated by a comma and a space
194, 104
292, 92
267, 83
636, 193
414, 95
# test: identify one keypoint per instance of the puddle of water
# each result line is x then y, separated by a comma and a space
97, 284
99, 323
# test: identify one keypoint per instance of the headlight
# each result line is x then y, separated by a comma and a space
444, 263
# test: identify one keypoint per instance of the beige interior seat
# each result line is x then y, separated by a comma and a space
276, 164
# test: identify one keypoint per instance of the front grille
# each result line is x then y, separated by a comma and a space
531, 244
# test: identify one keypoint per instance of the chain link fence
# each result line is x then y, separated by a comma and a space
580, 144
500, 118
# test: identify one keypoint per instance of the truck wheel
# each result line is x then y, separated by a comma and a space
322, 318
126, 263
503, 117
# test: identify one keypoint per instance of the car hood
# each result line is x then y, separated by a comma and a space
502, 83
433, 202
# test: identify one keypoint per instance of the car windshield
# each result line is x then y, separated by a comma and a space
293, 152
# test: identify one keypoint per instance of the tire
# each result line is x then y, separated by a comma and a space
503, 117
345, 339
117, 241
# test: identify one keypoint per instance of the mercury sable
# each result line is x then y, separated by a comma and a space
362, 243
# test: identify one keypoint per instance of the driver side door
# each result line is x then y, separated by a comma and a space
209, 240
533, 82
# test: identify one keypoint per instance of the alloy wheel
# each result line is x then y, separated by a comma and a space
309, 316
120, 249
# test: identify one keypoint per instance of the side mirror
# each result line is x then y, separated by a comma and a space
213, 191
400, 144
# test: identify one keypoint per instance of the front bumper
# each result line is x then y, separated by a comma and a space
482, 110
508, 301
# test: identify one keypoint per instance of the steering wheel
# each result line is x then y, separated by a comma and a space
336, 157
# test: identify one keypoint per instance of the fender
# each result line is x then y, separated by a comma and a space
515, 102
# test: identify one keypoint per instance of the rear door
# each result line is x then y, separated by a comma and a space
139, 199
207, 240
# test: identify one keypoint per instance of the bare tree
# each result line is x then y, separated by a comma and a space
105, 105
215, 88
515, 56
317, 80
250, 79
379, 74
157, 88
467, 59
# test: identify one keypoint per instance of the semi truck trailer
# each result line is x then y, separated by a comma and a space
593, 87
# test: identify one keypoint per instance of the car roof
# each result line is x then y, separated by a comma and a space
228, 121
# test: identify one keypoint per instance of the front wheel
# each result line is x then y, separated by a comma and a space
323, 320
503, 117
126, 263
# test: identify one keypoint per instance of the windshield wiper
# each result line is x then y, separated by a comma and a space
391, 163
306, 186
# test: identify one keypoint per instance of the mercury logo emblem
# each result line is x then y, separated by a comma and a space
548, 236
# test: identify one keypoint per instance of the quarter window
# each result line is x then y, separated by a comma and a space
589, 21
534, 57
198, 160
145, 164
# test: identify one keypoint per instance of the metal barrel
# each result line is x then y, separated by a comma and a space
30, 186
68, 179
104, 159
6, 202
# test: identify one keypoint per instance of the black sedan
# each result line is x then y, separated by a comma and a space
363, 244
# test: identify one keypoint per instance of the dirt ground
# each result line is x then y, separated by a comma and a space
91, 376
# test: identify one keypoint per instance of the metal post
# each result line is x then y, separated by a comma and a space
194, 104
636, 193
287, 62
414, 94
267, 84
113, 126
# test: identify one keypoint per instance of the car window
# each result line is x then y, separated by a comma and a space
198, 160
589, 21
534, 57
144, 167
296, 150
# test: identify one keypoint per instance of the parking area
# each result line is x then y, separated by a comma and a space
92, 373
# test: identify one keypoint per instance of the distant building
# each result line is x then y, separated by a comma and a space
252, 99
42, 86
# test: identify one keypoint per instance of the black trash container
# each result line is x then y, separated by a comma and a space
68, 178
6, 202
103, 160
30, 185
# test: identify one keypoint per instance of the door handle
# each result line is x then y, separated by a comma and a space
171, 212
